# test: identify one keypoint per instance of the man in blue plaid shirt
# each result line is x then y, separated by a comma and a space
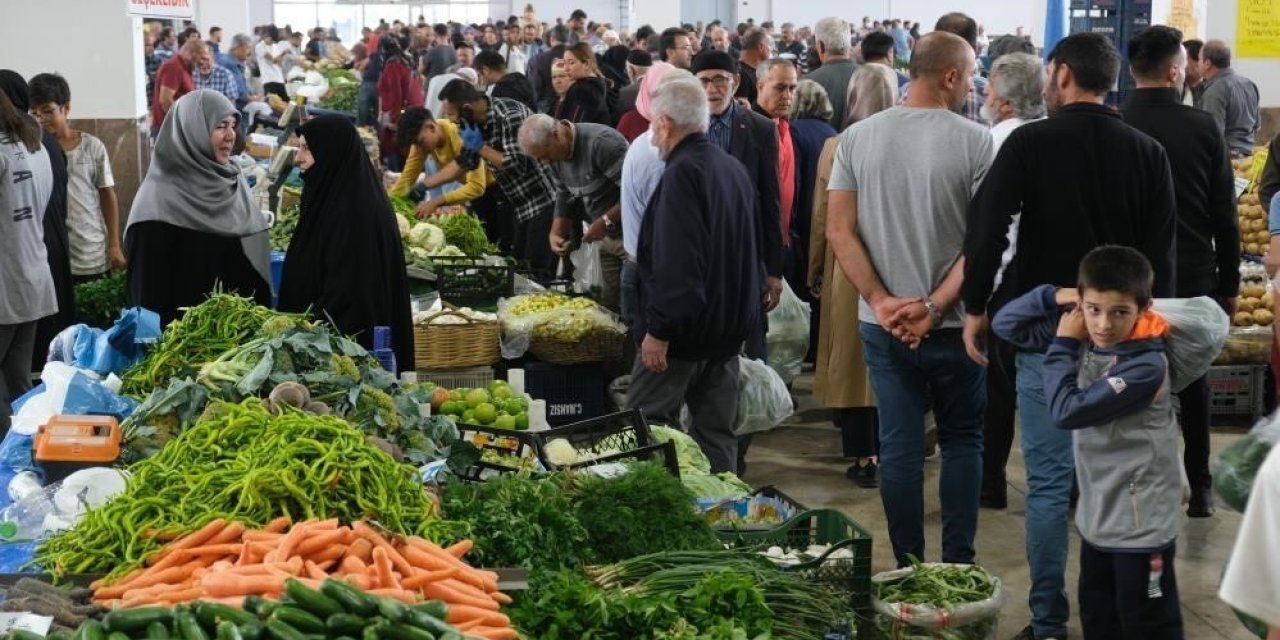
216, 77
491, 132
967, 28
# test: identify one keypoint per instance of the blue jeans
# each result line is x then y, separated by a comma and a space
1047, 452
905, 381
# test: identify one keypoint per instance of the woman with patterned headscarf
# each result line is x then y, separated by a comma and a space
194, 224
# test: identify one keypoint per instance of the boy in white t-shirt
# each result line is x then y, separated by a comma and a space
93, 218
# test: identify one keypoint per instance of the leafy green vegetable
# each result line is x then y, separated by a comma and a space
465, 232
342, 97
689, 453
643, 511
518, 521
98, 302
282, 231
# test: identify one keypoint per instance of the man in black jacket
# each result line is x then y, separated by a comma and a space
698, 277
1208, 238
753, 140
540, 68
492, 69
1081, 178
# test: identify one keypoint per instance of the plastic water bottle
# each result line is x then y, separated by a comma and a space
25, 519
382, 348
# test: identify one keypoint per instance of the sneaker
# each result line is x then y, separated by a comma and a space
1201, 503
866, 476
1029, 634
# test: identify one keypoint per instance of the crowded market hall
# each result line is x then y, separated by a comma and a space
640, 320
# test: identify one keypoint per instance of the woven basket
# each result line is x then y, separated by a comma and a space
477, 343
601, 345
289, 198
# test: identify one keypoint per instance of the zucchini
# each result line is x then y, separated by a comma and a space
424, 620
211, 613
157, 631
311, 600
128, 621
399, 631
187, 626
345, 624
282, 631
251, 630
435, 608
227, 630
350, 598
298, 619
393, 610
92, 630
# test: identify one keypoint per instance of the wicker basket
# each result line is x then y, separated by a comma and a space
600, 345
289, 198
476, 343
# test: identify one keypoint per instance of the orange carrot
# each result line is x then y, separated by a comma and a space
425, 577
224, 549
459, 613
360, 550
201, 536
382, 561
368, 533
352, 565
425, 561
362, 582
494, 633
314, 572
227, 584
331, 523
441, 591
460, 549
500, 597
319, 541
231, 533
185, 595
261, 536
407, 597
467, 589
327, 566
467, 626
325, 555
278, 525
289, 543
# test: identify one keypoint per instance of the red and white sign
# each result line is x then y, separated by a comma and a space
162, 8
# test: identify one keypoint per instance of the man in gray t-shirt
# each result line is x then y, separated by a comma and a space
586, 160
899, 190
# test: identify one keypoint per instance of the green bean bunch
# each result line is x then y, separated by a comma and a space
938, 585
243, 463
202, 334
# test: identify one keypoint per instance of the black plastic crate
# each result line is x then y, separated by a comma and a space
606, 438
473, 282
517, 450
573, 392
663, 453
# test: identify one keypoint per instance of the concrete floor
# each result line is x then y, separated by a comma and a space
802, 458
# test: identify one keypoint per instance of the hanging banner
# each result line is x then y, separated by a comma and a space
1191, 17
1258, 29
162, 8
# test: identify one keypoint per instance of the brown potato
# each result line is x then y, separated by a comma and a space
1243, 319
1263, 317
1247, 305
1252, 249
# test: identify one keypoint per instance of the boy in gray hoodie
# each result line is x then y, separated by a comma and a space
1106, 378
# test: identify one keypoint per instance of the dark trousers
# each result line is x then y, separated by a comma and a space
997, 420
859, 431
1194, 418
496, 216
1116, 602
17, 342
531, 246
366, 104
709, 387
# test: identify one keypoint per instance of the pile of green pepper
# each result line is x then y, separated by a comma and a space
241, 462
337, 610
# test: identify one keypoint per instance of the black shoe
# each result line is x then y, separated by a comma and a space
1201, 503
994, 500
1029, 634
866, 476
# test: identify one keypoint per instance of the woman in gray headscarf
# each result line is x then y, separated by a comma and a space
194, 224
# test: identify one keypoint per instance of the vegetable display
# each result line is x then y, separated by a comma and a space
342, 97
98, 302
642, 511
286, 223
69, 607
203, 333
243, 463
953, 602
518, 521
465, 232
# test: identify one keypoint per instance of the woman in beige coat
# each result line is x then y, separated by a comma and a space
841, 380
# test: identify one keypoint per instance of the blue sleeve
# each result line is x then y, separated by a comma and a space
1127, 388
1031, 320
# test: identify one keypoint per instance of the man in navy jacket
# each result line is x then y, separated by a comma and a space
700, 276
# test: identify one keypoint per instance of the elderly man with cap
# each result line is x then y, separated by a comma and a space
641, 170
638, 63
753, 140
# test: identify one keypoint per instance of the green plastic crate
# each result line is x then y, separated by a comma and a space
848, 577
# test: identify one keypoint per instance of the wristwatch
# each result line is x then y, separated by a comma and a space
934, 314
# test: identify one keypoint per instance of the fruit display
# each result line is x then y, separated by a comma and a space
496, 406
1255, 237
544, 319
1257, 301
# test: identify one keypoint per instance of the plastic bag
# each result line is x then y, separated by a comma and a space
1238, 464
570, 322
588, 274
1198, 328
110, 351
763, 399
969, 621
788, 336
68, 390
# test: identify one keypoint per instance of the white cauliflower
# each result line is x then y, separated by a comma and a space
427, 235
418, 253
448, 251
403, 224
561, 453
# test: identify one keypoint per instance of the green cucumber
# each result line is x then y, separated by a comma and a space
298, 619
434, 608
130, 620
424, 620
282, 631
398, 631
393, 610
345, 624
311, 600
211, 613
251, 630
227, 630
187, 626
114, 635
158, 631
92, 630
350, 598
23, 634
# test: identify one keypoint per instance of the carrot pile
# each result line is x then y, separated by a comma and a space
225, 562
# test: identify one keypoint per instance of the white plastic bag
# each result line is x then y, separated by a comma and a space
588, 274
970, 621
788, 336
763, 399
1198, 329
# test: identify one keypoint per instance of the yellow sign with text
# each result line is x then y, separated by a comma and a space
1258, 29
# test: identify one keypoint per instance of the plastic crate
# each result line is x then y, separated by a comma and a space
610, 438
469, 378
473, 282
850, 578
1236, 390
573, 392
503, 442
734, 515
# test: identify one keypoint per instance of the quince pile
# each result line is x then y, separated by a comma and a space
1255, 239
